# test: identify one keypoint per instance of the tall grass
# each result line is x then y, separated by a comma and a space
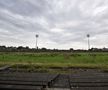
88, 60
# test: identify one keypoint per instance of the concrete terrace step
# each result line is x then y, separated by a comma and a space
19, 87
39, 81
62, 81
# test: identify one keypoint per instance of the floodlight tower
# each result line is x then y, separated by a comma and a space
88, 36
37, 40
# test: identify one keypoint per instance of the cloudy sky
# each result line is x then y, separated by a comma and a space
59, 23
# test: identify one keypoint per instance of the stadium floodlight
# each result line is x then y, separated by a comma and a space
88, 36
37, 41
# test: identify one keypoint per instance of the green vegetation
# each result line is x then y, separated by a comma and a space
55, 60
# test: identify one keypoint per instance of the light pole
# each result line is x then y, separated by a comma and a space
36, 41
88, 36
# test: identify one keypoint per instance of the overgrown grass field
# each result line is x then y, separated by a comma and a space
56, 60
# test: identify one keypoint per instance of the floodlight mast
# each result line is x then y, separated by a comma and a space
88, 36
37, 41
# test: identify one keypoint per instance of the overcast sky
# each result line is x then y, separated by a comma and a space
59, 23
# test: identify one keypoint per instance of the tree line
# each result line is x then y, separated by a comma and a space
27, 49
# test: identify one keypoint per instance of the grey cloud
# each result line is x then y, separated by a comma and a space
24, 7
57, 21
